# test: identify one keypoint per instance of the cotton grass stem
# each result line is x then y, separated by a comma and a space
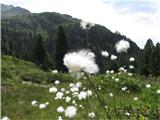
98, 96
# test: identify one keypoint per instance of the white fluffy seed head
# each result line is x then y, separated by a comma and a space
158, 91
53, 90
42, 106
131, 59
82, 60
82, 95
34, 103
91, 115
57, 82
60, 109
105, 53
5, 118
122, 46
148, 86
54, 71
70, 111
113, 57
86, 25
68, 99
59, 95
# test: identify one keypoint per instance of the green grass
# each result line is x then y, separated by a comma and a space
17, 97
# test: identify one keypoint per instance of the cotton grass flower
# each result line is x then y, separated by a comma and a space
5, 118
53, 90
82, 95
86, 25
111, 94
116, 79
135, 98
124, 88
34, 103
59, 95
131, 59
113, 57
89, 93
127, 113
60, 118
70, 111
148, 86
57, 82
158, 91
81, 61
131, 67
105, 53
60, 109
47, 103
112, 71
122, 46
42, 106
54, 71
68, 99
91, 115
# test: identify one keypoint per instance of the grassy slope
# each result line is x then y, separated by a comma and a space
17, 97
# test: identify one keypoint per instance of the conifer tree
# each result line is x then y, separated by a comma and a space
61, 48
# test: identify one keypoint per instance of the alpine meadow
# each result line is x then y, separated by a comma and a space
57, 67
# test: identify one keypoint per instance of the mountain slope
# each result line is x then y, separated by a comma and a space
18, 34
9, 11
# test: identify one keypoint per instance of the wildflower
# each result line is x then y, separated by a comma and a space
60, 118
47, 103
67, 92
52, 90
111, 94
42, 106
71, 111
79, 84
117, 79
80, 61
158, 91
107, 71
113, 77
89, 93
60, 109
34, 103
112, 71
57, 82
91, 115
82, 95
68, 99
74, 89
5, 118
122, 46
135, 98
124, 88
73, 102
54, 71
63, 89
113, 57
105, 53
121, 69
86, 25
148, 86
59, 95
71, 85
127, 113
131, 59
131, 67
130, 74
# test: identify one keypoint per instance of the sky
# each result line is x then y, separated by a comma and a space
137, 19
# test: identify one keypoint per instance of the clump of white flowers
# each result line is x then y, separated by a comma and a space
34, 103
68, 99
86, 25
81, 61
124, 88
42, 106
70, 111
53, 90
113, 57
54, 71
60, 109
59, 95
135, 98
5, 118
131, 59
82, 95
91, 115
158, 91
148, 86
111, 94
122, 46
105, 53
131, 67
57, 82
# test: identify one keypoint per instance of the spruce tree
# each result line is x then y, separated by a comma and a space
61, 49
39, 55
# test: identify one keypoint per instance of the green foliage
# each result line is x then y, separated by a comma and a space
61, 48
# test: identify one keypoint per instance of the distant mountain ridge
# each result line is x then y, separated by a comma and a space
10, 10
18, 32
